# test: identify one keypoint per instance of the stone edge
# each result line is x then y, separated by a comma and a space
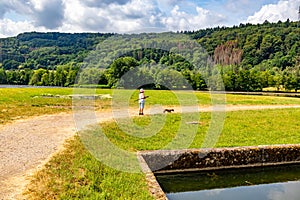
157, 191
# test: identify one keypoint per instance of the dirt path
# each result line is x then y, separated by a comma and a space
27, 144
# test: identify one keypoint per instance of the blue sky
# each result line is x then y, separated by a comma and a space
123, 16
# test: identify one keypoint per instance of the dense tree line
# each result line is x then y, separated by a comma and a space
64, 75
248, 58
161, 77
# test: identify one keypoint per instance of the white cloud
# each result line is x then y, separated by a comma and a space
241, 8
10, 28
36, 14
20, 7
49, 14
283, 10
38, 5
123, 16
115, 17
179, 20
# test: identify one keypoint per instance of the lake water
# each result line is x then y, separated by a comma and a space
270, 183
27, 86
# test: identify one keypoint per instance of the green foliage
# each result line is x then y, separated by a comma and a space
64, 75
118, 68
47, 50
249, 58
258, 55
258, 42
91, 76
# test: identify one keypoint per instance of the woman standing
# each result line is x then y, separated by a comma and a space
142, 98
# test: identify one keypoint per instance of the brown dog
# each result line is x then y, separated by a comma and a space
168, 110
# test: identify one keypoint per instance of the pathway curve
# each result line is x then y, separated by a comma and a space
25, 145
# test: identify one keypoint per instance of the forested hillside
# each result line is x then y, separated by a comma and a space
46, 50
251, 45
249, 58
252, 57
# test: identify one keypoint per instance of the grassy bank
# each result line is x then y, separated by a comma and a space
76, 174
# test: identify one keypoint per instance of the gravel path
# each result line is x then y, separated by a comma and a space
27, 144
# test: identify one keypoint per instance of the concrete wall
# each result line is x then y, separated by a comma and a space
173, 161
200, 159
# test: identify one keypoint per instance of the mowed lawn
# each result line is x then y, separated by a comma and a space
75, 173
21, 103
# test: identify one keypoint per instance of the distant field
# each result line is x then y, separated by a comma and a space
20, 103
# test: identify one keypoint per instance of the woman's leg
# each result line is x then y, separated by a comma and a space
141, 110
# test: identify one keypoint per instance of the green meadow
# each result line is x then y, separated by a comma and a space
75, 173
21, 103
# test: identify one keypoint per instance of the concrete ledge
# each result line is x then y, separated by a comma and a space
153, 185
191, 160
199, 159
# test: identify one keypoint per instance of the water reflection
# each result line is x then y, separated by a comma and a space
268, 183
26, 86
276, 191
290, 190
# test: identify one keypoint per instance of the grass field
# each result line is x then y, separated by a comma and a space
76, 174
20, 103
